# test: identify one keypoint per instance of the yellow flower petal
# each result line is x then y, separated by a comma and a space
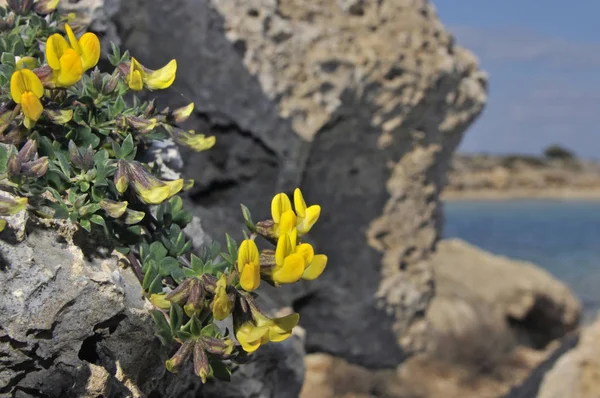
316, 267
134, 81
90, 50
250, 276
287, 222
311, 217
23, 81
161, 78
280, 204
174, 186
248, 253
153, 195
285, 324
55, 48
283, 249
221, 305
291, 271
250, 336
70, 70
299, 203
32, 107
306, 251
72, 39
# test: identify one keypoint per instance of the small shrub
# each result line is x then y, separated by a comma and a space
558, 152
72, 145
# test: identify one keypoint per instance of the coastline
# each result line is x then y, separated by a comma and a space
574, 194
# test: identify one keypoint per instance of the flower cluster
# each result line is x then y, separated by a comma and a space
72, 145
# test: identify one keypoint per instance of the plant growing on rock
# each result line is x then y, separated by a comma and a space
72, 140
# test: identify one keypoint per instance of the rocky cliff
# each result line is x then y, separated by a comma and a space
361, 104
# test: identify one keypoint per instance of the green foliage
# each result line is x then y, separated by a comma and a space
80, 158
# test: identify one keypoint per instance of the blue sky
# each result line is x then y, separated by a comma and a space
543, 58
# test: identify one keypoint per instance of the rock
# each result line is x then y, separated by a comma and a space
476, 289
361, 104
496, 326
73, 323
577, 373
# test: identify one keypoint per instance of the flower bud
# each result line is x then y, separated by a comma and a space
121, 177
97, 79
180, 115
181, 356
45, 7
113, 208
28, 152
14, 5
195, 301
140, 125
150, 108
221, 305
159, 301
266, 230
150, 189
111, 84
25, 6
201, 366
7, 23
2, 224
220, 347
36, 168
13, 166
26, 63
180, 294
44, 73
134, 216
59, 116
11, 205
82, 159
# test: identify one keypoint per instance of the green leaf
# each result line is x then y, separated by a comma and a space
156, 285
158, 250
184, 336
219, 370
97, 219
149, 275
167, 265
126, 146
176, 204
211, 330
195, 326
178, 275
248, 218
85, 224
63, 163
164, 330
123, 250
231, 246
176, 317
215, 249
7, 59
3, 159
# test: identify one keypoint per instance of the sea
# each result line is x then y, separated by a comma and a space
561, 236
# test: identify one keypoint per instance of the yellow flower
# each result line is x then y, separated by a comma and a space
150, 189
284, 218
248, 265
289, 265
87, 47
66, 64
314, 263
140, 76
221, 305
307, 217
26, 89
251, 335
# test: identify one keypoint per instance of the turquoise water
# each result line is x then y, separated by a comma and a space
561, 236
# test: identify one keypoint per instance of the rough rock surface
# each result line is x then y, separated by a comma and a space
74, 324
577, 373
476, 289
496, 326
361, 104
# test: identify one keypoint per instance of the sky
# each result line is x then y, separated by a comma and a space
543, 61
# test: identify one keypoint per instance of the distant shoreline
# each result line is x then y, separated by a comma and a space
521, 193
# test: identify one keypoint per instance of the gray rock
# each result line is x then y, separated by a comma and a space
73, 323
362, 110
